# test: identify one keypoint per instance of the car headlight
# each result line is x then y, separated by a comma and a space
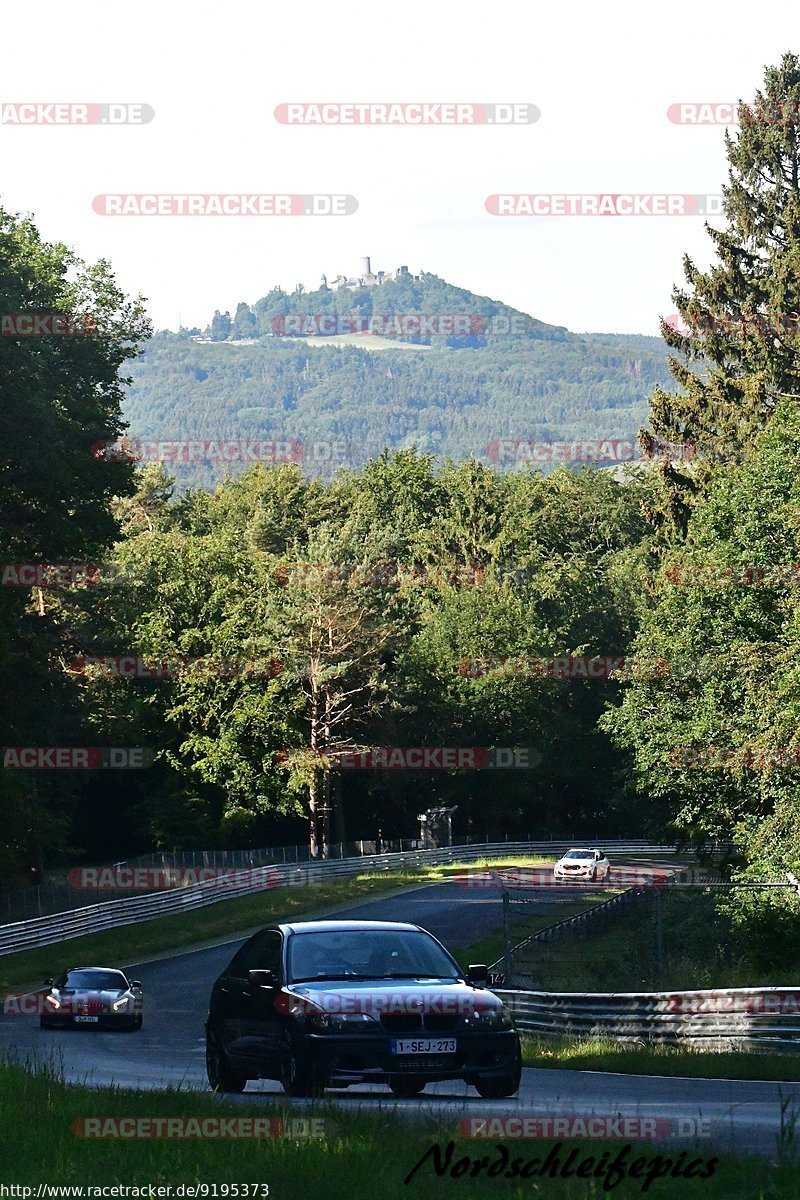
123, 1002
491, 1018
341, 1022
52, 1002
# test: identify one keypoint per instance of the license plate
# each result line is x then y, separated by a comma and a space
423, 1045
86, 1020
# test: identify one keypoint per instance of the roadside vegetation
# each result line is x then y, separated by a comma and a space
360, 1154
601, 1054
226, 920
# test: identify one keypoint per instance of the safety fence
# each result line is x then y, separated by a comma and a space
721, 1019
93, 918
54, 894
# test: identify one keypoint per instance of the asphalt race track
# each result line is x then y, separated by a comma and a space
170, 1048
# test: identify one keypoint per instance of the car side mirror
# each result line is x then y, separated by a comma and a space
263, 978
478, 974
48, 982
136, 983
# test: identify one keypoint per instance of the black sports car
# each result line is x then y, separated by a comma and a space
329, 1003
92, 996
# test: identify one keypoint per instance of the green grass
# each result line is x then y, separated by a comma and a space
215, 922
490, 948
600, 1054
701, 949
361, 1155
227, 918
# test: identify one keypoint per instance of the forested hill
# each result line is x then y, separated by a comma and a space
425, 294
344, 397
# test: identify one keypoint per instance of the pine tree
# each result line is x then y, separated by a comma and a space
244, 322
737, 355
221, 326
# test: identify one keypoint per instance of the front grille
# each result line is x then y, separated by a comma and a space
401, 1022
418, 1064
439, 1023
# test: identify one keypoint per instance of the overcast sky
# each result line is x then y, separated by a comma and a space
603, 77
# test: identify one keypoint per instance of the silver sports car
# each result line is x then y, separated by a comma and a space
92, 996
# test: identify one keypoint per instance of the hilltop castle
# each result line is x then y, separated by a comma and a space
368, 279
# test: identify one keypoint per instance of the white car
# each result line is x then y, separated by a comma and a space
582, 864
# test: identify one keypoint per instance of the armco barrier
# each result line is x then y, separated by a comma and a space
723, 1019
58, 927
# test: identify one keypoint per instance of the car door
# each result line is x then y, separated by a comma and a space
259, 1019
226, 1004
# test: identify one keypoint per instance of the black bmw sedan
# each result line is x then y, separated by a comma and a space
320, 1004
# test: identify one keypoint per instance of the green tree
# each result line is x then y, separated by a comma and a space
739, 353
245, 324
221, 326
60, 396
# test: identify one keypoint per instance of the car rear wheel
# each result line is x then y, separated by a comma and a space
406, 1086
218, 1069
297, 1074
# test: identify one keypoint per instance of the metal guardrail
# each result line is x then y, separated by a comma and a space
94, 918
721, 1019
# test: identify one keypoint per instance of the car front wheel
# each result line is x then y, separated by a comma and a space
496, 1087
297, 1074
220, 1075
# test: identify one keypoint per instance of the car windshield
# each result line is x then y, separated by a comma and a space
368, 954
580, 854
93, 981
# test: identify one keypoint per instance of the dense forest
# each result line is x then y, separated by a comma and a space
344, 404
284, 622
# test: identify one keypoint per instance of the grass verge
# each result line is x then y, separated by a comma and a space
700, 948
360, 1155
490, 949
183, 931
599, 1054
234, 918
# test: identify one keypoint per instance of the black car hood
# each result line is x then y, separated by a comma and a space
399, 996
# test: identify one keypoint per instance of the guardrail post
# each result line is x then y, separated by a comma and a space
507, 941
659, 935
